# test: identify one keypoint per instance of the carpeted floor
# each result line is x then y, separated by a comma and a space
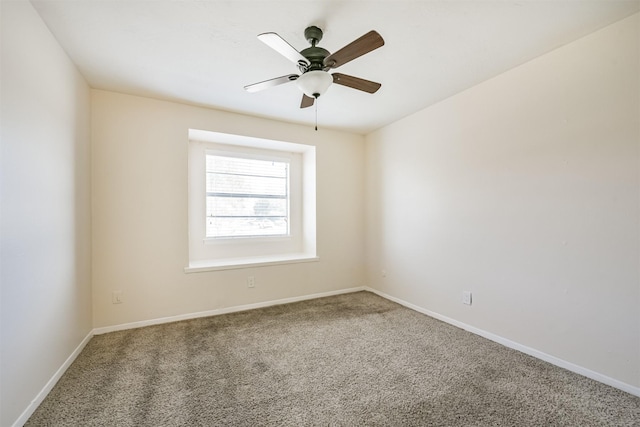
348, 360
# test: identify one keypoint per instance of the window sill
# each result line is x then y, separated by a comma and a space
236, 263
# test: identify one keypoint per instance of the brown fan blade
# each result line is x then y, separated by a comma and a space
280, 45
270, 83
307, 101
365, 44
356, 83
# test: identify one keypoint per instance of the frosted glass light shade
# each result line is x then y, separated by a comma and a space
314, 83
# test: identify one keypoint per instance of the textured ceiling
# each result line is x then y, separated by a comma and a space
204, 52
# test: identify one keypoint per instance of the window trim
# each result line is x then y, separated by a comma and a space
304, 250
238, 263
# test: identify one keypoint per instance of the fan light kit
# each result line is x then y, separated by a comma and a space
315, 62
314, 83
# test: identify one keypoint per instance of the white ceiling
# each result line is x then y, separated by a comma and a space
204, 52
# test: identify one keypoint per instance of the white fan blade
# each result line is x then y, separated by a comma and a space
281, 46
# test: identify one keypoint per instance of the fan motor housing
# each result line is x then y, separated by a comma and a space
316, 56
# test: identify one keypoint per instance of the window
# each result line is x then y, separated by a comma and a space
246, 197
251, 201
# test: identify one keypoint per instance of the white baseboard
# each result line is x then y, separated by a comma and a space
517, 346
158, 321
22, 419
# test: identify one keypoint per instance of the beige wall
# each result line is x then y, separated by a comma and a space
45, 221
523, 190
140, 242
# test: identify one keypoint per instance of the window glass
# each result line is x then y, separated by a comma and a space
246, 197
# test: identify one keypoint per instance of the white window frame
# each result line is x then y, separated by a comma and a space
206, 253
294, 181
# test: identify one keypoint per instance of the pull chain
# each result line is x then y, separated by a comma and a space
316, 103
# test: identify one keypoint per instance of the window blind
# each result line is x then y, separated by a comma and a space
246, 197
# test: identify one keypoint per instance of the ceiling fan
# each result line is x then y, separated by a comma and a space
315, 62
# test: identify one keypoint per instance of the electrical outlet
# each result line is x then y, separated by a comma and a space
466, 297
116, 297
251, 282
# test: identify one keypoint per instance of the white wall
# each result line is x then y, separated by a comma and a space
139, 193
525, 191
45, 222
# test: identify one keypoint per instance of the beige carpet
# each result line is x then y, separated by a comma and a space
348, 360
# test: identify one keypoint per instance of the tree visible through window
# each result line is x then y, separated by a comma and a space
246, 197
